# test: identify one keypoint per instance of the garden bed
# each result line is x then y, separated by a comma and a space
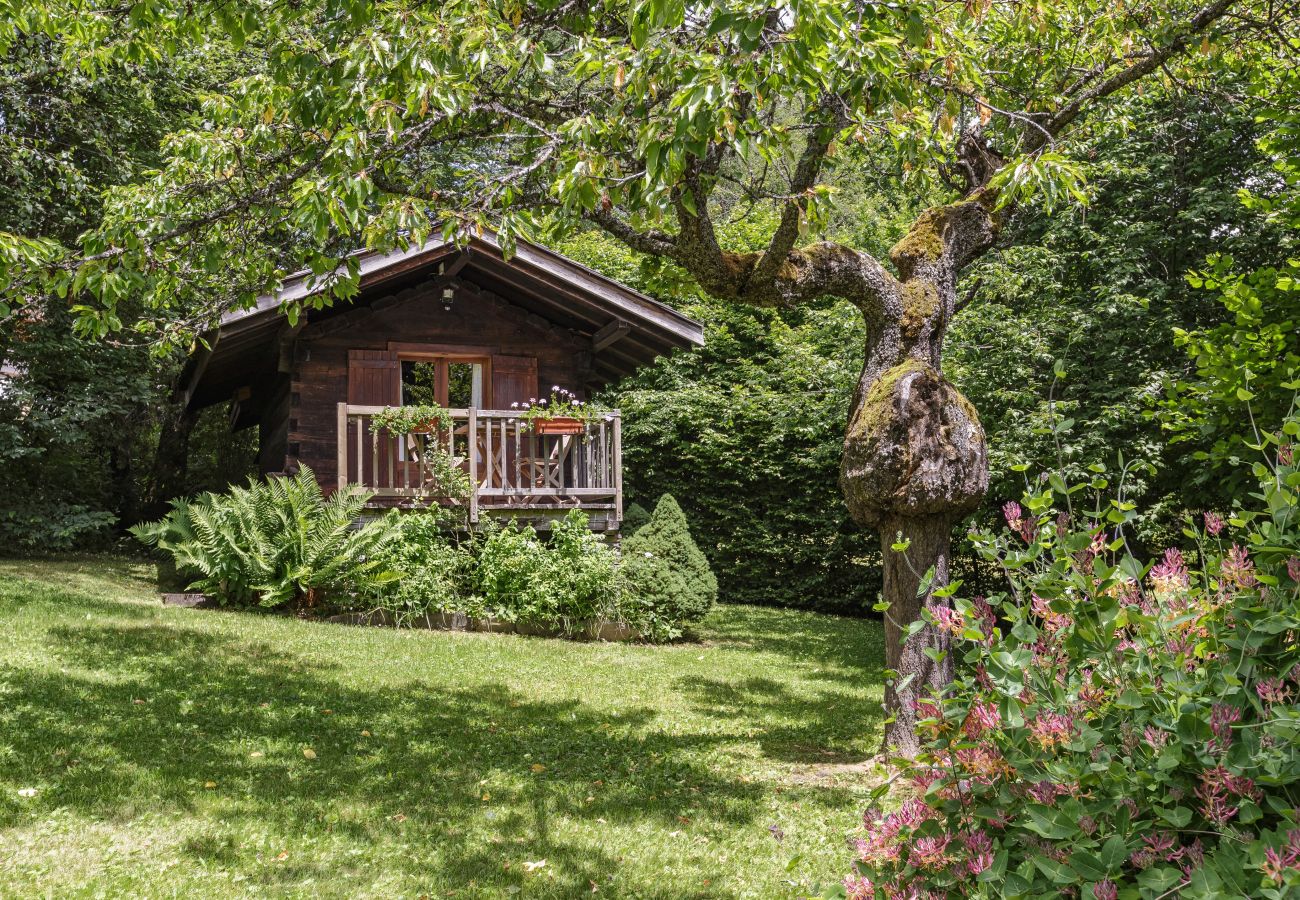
613, 632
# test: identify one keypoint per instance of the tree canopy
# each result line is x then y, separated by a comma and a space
375, 122
366, 122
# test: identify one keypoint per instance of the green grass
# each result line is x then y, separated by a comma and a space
166, 748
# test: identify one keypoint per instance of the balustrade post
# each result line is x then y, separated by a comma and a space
343, 445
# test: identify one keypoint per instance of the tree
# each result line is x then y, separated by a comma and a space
372, 121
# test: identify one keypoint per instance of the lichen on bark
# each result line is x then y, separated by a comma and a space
920, 306
915, 447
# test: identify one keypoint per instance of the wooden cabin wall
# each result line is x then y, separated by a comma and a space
477, 321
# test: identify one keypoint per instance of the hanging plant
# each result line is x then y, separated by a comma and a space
404, 420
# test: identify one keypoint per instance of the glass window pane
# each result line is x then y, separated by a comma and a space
419, 383
461, 382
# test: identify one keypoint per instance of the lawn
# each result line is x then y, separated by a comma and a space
199, 753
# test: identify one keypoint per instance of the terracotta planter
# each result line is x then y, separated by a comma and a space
559, 425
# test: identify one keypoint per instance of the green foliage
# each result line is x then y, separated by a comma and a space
1122, 727
1105, 292
435, 568
403, 420
634, 517
564, 584
78, 419
1255, 354
274, 542
667, 570
663, 93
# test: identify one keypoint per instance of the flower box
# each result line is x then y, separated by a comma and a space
559, 425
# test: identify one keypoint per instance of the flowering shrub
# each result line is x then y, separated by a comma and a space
1122, 729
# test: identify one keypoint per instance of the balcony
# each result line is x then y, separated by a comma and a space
511, 468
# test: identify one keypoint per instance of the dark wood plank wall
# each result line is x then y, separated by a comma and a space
479, 321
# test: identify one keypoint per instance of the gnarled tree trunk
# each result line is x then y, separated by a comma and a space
915, 456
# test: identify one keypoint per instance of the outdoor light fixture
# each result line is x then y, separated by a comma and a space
448, 295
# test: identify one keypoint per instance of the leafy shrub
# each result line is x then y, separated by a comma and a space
435, 569
273, 542
654, 592
1123, 729
563, 584
692, 590
511, 575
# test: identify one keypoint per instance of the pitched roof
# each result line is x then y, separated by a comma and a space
627, 328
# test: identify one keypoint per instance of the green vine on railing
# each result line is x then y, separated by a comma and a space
404, 420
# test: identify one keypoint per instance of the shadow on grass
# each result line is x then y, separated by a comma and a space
828, 726
839, 647
164, 711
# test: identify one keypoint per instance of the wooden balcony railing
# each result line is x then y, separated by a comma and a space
509, 466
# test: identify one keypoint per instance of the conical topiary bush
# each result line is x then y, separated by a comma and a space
689, 595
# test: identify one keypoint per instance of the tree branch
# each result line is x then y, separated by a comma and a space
805, 176
1066, 115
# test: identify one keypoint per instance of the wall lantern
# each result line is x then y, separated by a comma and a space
448, 295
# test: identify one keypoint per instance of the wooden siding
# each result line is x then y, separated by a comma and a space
478, 322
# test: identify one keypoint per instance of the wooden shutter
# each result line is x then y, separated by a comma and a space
374, 379
514, 380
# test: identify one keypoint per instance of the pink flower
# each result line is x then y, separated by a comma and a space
983, 717
1237, 569
1222, 718
1284, 455
979, 846
988, 619
930, 852
1276, 862
1273, 690
1293, 568
1018, 522
1170, 574
1046, 792
1213, 523
1155, 737
1012, 512
1105, 890
1217, 791
859, 889
1051, 729
948, 619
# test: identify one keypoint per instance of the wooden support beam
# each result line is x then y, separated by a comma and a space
287, 343
609, 334
193, 371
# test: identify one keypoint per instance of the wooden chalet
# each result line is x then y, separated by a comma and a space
457, 326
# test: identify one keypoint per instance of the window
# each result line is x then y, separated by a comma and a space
457, 383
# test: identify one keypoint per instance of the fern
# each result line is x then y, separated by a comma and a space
275, 542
